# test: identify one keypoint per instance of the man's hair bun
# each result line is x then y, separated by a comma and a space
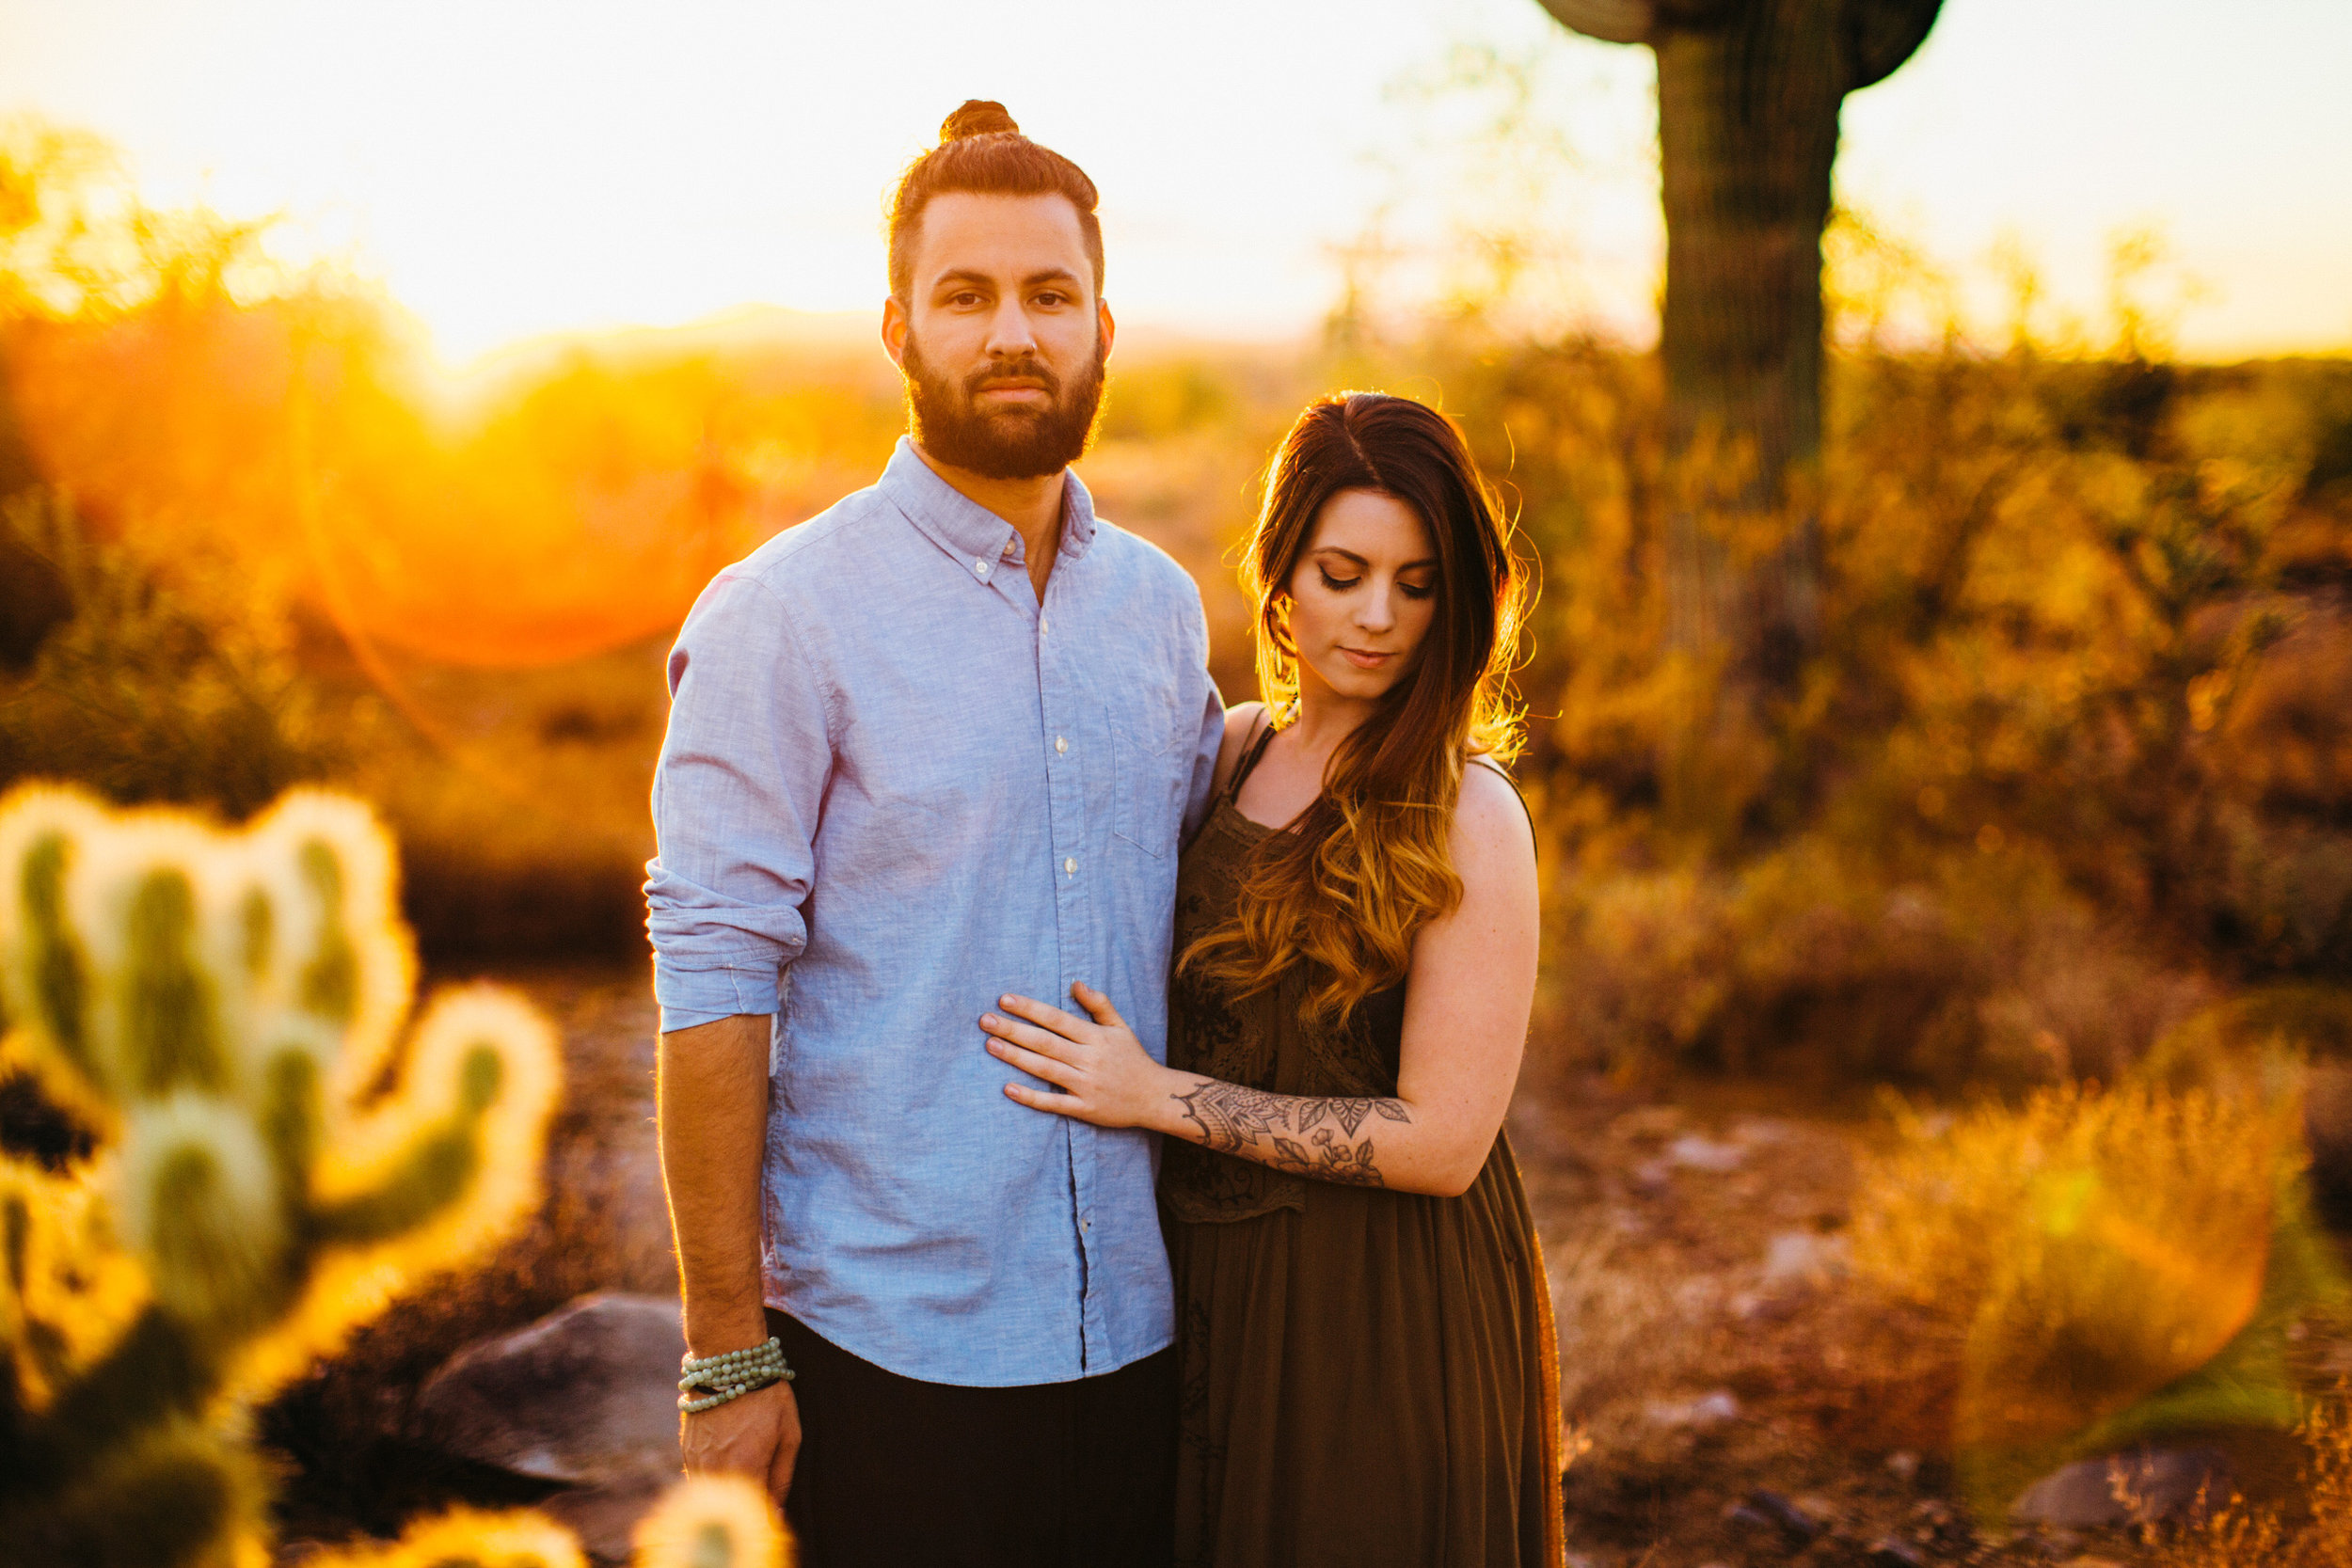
979, 116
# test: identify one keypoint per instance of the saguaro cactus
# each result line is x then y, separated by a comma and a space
1748, 98
221, 1008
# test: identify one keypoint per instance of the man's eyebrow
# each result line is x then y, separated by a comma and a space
966, 274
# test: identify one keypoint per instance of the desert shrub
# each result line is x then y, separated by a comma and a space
2111, 1263
1813, 957
2081, 691
2236, 1535
152, 688
224, 1010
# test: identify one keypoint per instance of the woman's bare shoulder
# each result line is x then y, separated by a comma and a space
1241, 722
1491, 829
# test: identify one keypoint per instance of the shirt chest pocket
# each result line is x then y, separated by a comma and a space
1151, 769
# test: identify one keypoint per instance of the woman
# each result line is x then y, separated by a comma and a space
1364, 1331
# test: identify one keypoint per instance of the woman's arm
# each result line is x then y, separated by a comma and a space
1468, 996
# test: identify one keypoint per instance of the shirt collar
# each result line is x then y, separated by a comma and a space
965, 529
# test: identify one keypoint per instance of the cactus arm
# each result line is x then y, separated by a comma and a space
155, 1373
1610, 21
434, 1172
176, 1496
1882, 34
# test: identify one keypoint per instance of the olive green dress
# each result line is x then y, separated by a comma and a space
1368, 1377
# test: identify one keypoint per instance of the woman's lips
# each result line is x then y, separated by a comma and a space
1363, 661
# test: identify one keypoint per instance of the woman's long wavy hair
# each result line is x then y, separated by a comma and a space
1344, 893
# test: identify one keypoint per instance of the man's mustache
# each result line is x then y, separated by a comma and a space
1024, 369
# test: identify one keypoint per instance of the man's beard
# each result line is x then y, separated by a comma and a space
1003, 443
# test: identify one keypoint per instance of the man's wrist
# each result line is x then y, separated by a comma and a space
721, 1332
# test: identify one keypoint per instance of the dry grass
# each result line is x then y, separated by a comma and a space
2097, 1245
2238, 1535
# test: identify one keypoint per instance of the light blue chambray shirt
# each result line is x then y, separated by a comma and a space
894, 774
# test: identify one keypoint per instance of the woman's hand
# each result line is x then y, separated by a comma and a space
1106, 1076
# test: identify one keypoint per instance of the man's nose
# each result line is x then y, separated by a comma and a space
1008, 334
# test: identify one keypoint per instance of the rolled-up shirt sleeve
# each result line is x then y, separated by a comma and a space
734, 804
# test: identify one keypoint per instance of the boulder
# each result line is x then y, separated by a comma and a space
587, 1395
2137, 1488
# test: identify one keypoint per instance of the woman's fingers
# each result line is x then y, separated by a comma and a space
1043, 1040
1037, 1099
1099, 1005
1038, 1012
1033, 1064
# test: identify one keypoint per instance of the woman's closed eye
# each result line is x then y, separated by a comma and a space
1338, 585
1416, 590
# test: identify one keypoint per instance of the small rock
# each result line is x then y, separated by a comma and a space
586, 1395
1888, 1551
1805, 1257
1708, 1409
1903, 1464
1800, 1523
2138, 1488
1702, 1153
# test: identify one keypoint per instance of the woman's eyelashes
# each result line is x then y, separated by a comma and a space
1411, 590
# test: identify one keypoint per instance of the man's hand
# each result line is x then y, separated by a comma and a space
757, 1436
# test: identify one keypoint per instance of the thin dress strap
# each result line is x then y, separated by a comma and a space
1250, 759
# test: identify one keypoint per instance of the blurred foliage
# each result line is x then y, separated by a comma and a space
2073, 758
151, 689
2114, 1264
2076, 748
222, 1010
2232, 1534
706, 1522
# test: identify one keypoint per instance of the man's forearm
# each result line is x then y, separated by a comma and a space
711, 1084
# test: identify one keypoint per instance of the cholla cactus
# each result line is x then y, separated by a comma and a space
221, 1008
708, 1522
713, 1522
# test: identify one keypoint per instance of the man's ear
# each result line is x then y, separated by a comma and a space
895, 325
1105, 326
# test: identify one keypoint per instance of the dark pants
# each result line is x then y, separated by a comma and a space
896, 1473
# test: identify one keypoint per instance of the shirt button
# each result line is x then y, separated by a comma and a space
1006, 552
1070, 866
1086, 1225
1061, 743
1041, 625
979, 568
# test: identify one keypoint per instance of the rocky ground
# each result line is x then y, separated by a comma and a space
1734, 1396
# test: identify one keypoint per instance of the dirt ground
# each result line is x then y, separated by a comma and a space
1734, 1396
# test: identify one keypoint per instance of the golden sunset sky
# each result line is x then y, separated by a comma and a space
507, 169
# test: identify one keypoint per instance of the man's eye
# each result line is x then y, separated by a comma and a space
1050, 300
1338, 585
967, 297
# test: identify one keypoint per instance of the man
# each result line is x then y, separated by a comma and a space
935, 745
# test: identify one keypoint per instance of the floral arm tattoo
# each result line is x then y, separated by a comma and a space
1267, 1127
